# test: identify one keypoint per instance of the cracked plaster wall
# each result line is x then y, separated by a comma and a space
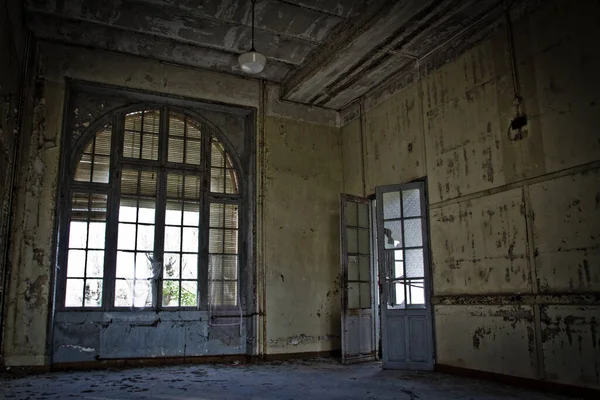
12, 61
506, 218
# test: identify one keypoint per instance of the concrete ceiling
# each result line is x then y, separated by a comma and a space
323, 52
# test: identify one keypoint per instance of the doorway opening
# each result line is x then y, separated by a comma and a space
386, 311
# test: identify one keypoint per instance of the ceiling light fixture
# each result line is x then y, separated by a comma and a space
252, 62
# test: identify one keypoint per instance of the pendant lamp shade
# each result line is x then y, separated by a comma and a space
252, 62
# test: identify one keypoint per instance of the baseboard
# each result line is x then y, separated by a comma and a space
546, 386
303, 355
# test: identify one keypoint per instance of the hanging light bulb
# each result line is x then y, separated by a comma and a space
252, 62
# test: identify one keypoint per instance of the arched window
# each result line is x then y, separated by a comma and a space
153, 216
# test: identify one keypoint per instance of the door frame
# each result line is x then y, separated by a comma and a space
345, 311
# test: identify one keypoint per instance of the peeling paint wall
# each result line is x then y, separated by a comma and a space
298, 243
515, 240
12, 62
301, 211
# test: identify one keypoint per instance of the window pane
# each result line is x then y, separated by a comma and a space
193, 130
398, 291
217, 212
125, 265
149, 147
172, 238
190, 240
171, 266
231, 216
131, 144
352, 240
78, 234
133, 121
129, 182
146, 211
217, 180
152, 121
95, 264
414, 263
365, 295
411, 203
174, 186
96, 235
145, 237
193, 152
398, 269
175, 153
363, 215
229, 293
216, 155
230, 242
191, 214
123, 293
391, 205
127, 211
364, 266
173, 213
223, 267
353, 268
417, 292
148, 183
215, 241
231, 183
392, 233
353, 295
74, 293
76, 264
83, 172
351, 213
126, 237
189, 294
93, 293
413, 233
143, 266
189, 266
192, 187
363, 241
101, 169
176, 124
143, 294
170, 293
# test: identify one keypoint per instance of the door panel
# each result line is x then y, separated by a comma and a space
358, 339
404, 273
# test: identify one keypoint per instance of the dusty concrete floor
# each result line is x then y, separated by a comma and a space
314, 379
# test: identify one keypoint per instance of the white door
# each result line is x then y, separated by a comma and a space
358, 328
403, 248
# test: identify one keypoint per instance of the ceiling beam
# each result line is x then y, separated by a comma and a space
176, 24
144, 45
339, 8
295, 85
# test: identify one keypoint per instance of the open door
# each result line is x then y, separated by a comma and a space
407, 339
358, 334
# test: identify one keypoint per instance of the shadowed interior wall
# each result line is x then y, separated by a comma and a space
12, 48
515, 241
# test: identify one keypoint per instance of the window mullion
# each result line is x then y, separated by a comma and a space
112, 217
161, 195
203, 278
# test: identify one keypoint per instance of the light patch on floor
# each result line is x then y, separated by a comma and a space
313, 379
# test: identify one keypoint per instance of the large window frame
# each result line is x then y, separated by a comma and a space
203, 170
